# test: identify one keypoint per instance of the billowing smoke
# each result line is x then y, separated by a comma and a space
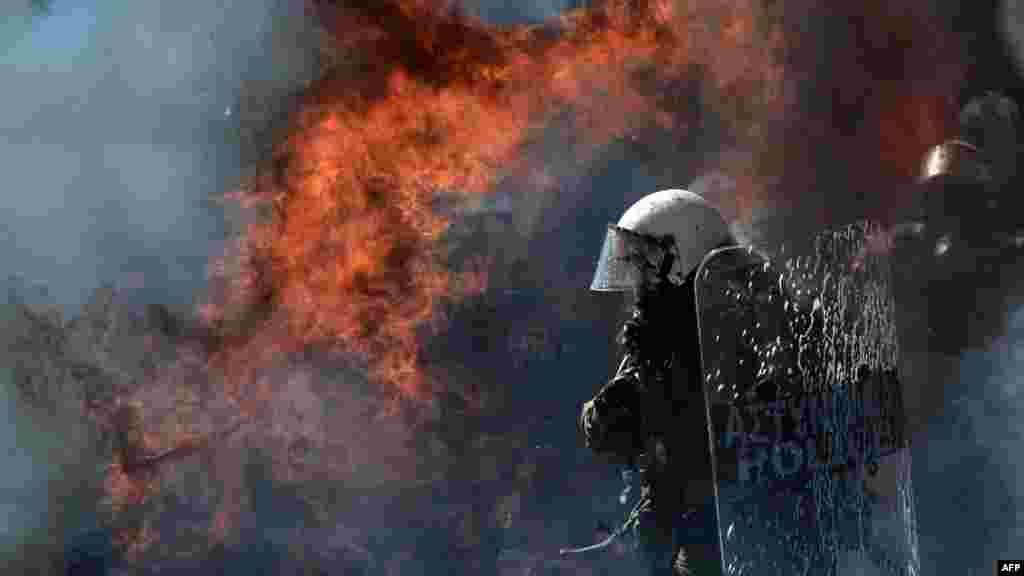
22, 505
119, 121
967, 464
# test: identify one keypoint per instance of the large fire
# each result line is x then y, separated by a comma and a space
344, 251
438, 102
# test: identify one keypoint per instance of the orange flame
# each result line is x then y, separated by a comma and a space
344, 251
438, 102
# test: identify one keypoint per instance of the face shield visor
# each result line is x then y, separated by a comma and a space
629, 260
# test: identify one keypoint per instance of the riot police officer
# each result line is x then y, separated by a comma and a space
651, 414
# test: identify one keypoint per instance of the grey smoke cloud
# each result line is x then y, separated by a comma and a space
18, 500
524, 11
968, 471
117, 125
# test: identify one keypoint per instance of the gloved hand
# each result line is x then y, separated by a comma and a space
610, 421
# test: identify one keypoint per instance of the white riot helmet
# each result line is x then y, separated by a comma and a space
663, 235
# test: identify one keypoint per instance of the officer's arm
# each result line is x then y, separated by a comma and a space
611, 421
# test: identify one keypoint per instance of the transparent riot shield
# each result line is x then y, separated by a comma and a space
805, 411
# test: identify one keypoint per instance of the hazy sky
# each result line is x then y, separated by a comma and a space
116, 126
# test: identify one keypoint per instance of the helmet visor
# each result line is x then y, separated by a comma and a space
627, 259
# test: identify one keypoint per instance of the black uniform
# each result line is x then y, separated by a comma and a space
651, 415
